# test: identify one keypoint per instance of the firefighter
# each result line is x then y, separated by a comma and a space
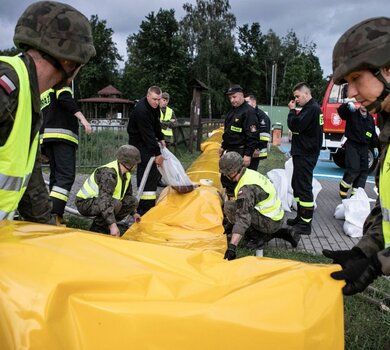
360, 133
107, 193
306, 127
241, 133
167, 118
55, 40
59, 140
361, 58
264, 130
145, 133
256, 208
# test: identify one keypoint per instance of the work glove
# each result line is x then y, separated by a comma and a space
351, 106
376, 152
230, 253
359, 274
344, 257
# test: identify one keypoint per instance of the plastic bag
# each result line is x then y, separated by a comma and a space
279, 180
339, 212
357, 209
173, 173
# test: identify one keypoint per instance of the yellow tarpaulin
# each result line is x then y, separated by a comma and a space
64, 289
192, 221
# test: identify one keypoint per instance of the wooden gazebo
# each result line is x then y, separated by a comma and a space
108, 105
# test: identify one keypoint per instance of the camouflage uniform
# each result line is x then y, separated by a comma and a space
35, 204
106, 209
372, 241
243, 215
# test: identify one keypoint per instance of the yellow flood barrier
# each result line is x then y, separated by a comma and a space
69, 289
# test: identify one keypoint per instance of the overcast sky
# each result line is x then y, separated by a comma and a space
318, 21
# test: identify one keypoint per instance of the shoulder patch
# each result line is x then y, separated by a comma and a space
7, 84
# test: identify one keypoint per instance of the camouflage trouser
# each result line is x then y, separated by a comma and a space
35, 204
94, 207
264, 226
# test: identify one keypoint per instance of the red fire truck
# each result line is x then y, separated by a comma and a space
334, 126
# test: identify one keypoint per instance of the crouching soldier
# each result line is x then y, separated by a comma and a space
107, 193
256, 207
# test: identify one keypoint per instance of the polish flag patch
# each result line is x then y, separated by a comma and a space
7, 84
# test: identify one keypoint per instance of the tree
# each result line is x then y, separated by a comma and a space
102, 69
207, 28
157, 55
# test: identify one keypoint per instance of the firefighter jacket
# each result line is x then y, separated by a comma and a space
306, 128
358, 129
167, 121
144, 128
19, 131
241, 130
264, 132
59, 120
376, 229
271, 206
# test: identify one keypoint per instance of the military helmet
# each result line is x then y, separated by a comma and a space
364, 46
230, 162
128, 155
56, 29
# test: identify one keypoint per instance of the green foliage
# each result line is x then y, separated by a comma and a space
207, 28
158, 56
102, 69
13, 51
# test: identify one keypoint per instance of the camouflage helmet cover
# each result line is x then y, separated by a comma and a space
364, 46
230, 163
128, 155
56, 29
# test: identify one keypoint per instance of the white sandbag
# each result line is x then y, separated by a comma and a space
278, 178
357, 209
339, 212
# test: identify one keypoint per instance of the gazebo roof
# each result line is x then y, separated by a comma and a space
109, 90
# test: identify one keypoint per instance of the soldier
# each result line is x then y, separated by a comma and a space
256, 206
107, 193
56, 41
361, 57
167, 118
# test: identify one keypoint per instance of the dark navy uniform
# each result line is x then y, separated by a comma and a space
361, 134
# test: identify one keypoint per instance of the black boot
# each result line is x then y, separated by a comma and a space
293, 221
288, 235
303, 227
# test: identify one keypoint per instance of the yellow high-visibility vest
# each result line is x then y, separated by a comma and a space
90, 188
18, 153
384, 195
166, 118
271, 206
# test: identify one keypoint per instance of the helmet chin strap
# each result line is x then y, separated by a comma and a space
376, 106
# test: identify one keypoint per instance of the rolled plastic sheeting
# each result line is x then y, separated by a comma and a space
64, 289
191, 221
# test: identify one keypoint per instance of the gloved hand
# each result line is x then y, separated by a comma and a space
359, 274
230, 253
344, 257
376, 152
351, 106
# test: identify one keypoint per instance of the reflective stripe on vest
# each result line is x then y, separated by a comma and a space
235, 129
270, 207
17, 155
148, 195
166, 118
90, 188
384, 195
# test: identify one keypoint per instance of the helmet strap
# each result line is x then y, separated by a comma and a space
376, 105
